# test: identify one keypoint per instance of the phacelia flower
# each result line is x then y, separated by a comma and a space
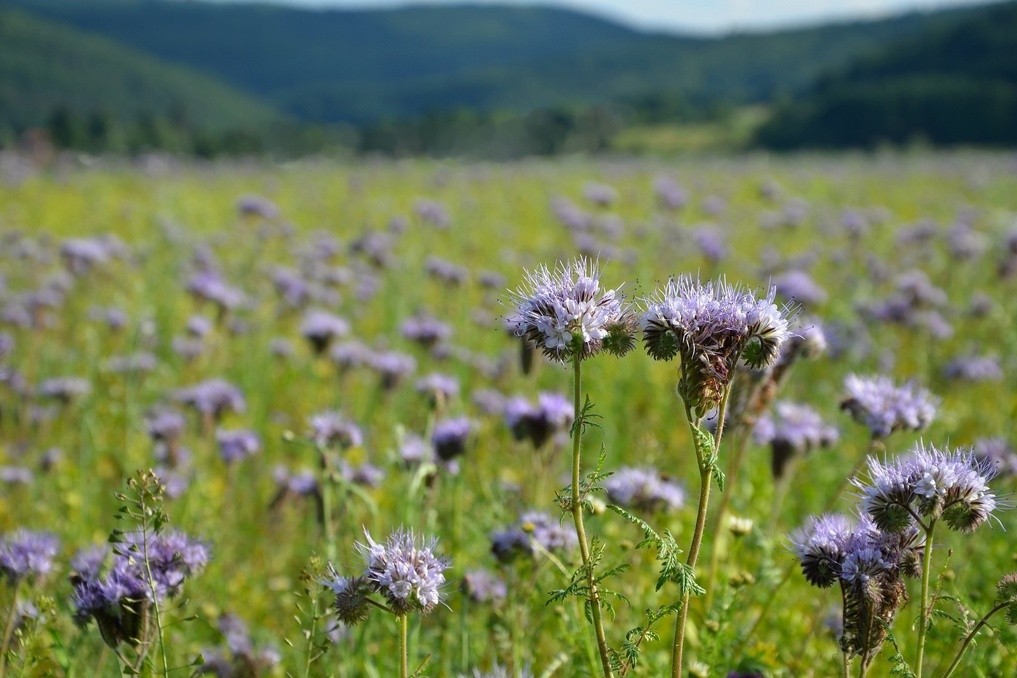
566, 314
710, 327
25, 553
643, 488
531, 530
483, 586
333, 429
538, 422
406, 571
929, 483
791, 430
884, 407
450, 437
237, 445
213, 398
319, 328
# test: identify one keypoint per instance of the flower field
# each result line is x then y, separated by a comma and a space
547, 418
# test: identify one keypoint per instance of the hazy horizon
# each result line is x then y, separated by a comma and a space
692, 16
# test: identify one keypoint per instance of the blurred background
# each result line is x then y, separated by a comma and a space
503, 80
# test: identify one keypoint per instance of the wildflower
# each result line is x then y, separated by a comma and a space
407, 572
350, 604
538, 422
450, 436
710, 327
929, 483
885, 407
425, 330
237, 445
393, 367
440, 388
483, 586
998, 453
799, 287
974, 368
451, 274
257, 206
213, 398
532, 528
792, 430
319, 328
643, 488
165, 425
64, 389
566, 314
332, 429
24, 554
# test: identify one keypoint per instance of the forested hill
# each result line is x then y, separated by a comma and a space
951, 84
361, 66
46, 68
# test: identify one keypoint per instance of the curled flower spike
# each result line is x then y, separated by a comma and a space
565, 313
710, 327
405, 571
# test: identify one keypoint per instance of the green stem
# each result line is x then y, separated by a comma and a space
971, 636
845, 665
327, 484
705, 480
577, 515
923, 620
9, 629
404, 656
309, 652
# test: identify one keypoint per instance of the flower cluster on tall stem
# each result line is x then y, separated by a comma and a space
571, 318
709, 327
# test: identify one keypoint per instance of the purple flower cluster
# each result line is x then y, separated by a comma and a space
25, 554
644, 488
884, 407
118, 599
242, 657
333, 429
483, 586
710, 327
566, 314
538, 422
319, 328
792, 430
213, 398
929, 483
532, 530
237, 445
869, 565
450, 437
425, 330
998, 453
403, 569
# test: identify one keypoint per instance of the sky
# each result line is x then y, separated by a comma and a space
703, 16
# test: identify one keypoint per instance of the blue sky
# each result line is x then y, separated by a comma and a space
692, 15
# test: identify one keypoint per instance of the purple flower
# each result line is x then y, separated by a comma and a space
392, 367
600, 195
432, 212
351, 596
405, 571
209, 286
929, 482
885, 407
998, 453
165, 425
257, 206
321, 327
669, 194
213, 398
440, 388
426, 330
24, 554
798, 286
566, 314
350, 354
333, 429
64, 389
451, 274
532, 528
237, 445
450, 436
483, 586
974, 368
792, 430
643, 488
710, 327
552, 413
365, 474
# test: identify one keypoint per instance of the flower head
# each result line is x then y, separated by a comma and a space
884, 407
643, 488
406, 571
710, 327
26, 554
566, 314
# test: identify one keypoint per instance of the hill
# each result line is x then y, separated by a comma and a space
361, 66
46, 68
950, 85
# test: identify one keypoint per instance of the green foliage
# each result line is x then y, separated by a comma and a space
954, 84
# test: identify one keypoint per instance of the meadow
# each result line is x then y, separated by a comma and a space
355, 314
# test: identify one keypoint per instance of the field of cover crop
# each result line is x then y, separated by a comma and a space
355, 462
